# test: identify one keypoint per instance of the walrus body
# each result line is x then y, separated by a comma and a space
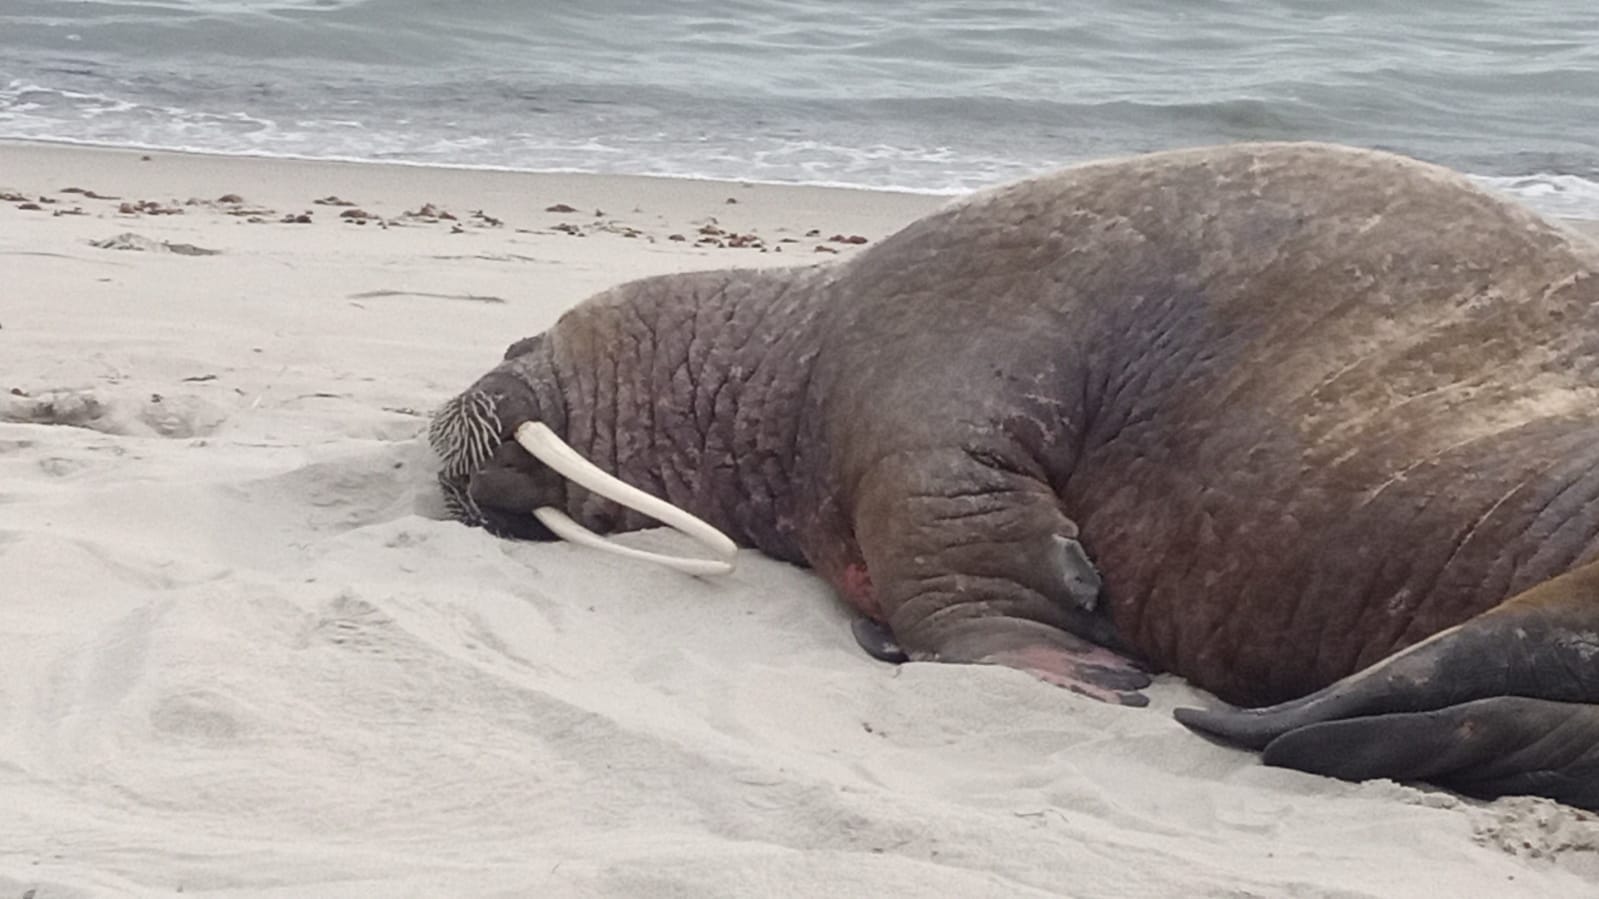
1304, 406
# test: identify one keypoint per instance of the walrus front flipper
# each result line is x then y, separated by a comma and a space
1505, 702
878, 641
1506, 745
973, 561
1050, 655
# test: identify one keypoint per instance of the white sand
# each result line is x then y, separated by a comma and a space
240, 656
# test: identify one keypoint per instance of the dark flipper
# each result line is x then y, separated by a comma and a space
1489, 747
1504, 703
878, 641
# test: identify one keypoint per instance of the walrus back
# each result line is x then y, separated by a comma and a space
1284, 371
1361, 408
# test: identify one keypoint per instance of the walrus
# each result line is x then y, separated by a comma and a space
1314, 427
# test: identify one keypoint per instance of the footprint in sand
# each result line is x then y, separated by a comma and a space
363, 487
352, 623
200, 716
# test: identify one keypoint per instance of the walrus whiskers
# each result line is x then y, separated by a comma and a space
464, 432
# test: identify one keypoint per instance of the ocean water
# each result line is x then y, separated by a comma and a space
926, 95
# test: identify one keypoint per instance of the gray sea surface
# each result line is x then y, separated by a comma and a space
926, 95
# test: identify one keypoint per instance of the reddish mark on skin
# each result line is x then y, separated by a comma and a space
1059, 667
855, 585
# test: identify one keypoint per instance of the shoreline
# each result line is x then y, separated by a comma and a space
917, 202
406, 163
626, 200
30, 146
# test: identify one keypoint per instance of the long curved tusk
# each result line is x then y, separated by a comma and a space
567, 529
537, 438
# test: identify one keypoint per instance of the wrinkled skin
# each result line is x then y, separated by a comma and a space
1303, 406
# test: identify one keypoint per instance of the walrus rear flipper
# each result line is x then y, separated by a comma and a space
1506, 745
1507, 702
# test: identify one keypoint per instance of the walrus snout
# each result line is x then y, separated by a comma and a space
504, 492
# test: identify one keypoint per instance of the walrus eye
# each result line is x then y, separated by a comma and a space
541, 442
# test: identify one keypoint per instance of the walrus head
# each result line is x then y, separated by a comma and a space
493, 441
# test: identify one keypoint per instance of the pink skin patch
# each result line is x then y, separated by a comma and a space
1074, 670
855, 585
1092, 671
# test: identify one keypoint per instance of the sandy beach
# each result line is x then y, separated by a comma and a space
241, 655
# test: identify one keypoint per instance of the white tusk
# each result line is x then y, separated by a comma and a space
537, 438
567, 529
